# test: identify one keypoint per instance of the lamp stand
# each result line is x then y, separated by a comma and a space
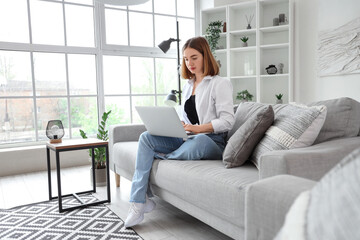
178, 59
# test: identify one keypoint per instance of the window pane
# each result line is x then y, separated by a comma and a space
114, 6
165, 28
145, 7
161, 100
47, 22
186, 8
15, 74
142, 75
84, 116
14, 12
116, 75
120, 110
17, 120
141, 26
50, 76
186, 29
88, 2
164, 6
166, 75
141, 101
82, 74
52, 109
79, 26
116, 27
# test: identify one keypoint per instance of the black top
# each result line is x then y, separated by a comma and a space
190, 110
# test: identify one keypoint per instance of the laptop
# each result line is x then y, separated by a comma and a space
162, 121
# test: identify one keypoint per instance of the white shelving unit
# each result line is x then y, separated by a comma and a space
267, 45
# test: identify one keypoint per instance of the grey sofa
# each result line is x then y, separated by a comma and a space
215, 195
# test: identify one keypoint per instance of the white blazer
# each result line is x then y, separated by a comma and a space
213, 102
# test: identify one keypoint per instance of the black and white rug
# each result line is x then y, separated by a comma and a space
42, 221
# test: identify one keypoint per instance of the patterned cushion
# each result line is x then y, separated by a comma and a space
244, 140
295, 126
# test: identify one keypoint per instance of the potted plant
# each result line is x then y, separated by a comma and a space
99, 153
213, 34
279, 98
244, 96
244, 39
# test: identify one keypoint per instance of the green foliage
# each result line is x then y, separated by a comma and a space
279, 96
244, 95
244, 39
213, 34
99, 153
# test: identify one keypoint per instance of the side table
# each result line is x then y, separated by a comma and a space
71, 145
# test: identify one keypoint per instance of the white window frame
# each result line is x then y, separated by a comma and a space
100, 49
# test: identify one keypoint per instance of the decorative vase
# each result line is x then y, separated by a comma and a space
279, 101
271, 69
100, 177
244, 44
224, 27
248, 26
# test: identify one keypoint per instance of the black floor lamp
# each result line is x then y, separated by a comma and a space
165, 46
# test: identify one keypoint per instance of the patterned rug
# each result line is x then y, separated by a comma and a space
42, 221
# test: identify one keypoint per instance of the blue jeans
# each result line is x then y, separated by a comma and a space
201, 146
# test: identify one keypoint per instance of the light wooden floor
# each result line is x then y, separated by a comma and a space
165, 222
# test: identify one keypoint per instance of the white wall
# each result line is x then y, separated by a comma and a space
308, 86
30, 159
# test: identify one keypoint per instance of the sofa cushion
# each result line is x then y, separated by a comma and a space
244, 140
243, 112
343, 119
330, 210
124, 157
295, 126
207, 185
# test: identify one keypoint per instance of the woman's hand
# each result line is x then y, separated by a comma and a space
199, 128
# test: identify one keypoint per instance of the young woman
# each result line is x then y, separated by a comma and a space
208, 112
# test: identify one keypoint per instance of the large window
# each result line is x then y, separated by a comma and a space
73, 59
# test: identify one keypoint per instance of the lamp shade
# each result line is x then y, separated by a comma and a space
122, 2
55, 131
165, 45
171, 99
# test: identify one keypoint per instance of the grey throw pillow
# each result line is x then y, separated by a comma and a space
342, 119
244, 111
246, 137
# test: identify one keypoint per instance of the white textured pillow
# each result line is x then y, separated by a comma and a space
295, 126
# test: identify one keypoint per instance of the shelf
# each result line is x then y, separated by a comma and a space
243, 32
243, 49
274, 75
267, 45
275, 46
272, 2
280, 28
220, 51
214, 10
244, 76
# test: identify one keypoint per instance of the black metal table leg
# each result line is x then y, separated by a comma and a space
49, 171
58, 180
108, 174
93, 168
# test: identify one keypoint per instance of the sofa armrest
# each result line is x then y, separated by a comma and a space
123, 133
310, 162
267, 202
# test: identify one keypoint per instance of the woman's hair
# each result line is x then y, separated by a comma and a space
210, 65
